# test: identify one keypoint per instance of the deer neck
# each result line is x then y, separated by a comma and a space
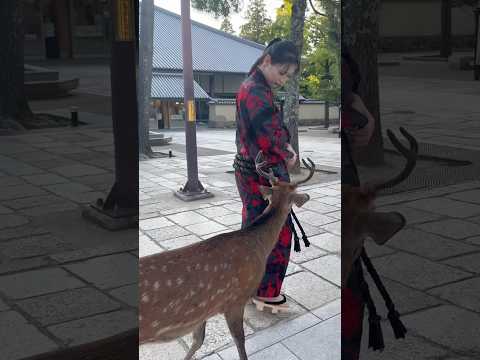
269, 225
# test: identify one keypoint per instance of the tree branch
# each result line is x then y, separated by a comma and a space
315, 10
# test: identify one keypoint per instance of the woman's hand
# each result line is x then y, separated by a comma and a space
291, 162
362, 137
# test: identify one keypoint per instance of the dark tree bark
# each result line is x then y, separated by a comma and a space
291, 102
147, 14
360, 36
446, 16
14, 109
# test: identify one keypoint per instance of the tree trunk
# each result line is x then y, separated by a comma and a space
293, 86
360, 36
14, 109
147, 12
446, 16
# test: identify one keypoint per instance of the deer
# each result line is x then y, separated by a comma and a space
359, 218
182, 288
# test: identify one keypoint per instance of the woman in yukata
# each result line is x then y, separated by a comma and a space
260, 128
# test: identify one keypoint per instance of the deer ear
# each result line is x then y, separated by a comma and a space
382, 226
266, 191
300, 199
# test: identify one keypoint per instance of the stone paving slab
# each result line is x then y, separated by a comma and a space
37, 282
187, 218
12, 221
464, 293
327, 241
327, 267
33, 201
34, 246
272, 335
206, 228
107, 271
466, 262
301, 286
411, 347
21, 191
3, 306
95, 327
446, 206
23, 264
180, 242
121, 245
67, 305
19, 339
452, 228
45, 179
429, 245
274, 352
326, 345
166, 233
449, 326
417, 272
168, 351
328, 310
407, 299
128, 294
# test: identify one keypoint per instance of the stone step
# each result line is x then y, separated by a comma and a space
158, 139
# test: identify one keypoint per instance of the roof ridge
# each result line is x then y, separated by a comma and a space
210, 28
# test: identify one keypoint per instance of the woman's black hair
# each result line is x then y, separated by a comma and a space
281, 52
353, 67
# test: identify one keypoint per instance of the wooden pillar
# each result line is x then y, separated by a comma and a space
63, 33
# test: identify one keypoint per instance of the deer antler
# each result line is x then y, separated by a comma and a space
409, 154
260, 165
310, 167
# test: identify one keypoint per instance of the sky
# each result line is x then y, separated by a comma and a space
237, 19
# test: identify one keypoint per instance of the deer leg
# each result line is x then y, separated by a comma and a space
198, 337
234, 319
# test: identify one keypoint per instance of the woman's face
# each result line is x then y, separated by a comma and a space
276, 74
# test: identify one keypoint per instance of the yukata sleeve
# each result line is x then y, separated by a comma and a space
266, 131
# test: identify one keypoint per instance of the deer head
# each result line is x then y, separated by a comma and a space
281, 193
359, 218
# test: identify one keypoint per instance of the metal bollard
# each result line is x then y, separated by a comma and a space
74, 116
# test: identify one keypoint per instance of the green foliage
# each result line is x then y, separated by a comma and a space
227, 26
319, 47
217, 7
257, 27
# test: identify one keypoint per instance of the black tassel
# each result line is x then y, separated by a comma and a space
393, 315
296, 241
305, 240
375, 336
397, 325
304, 236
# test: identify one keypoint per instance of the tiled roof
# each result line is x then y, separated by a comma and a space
170, 86
213, 50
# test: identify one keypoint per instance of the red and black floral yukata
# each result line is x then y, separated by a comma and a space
259, 127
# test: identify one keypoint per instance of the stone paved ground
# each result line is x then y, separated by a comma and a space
311, 330
431, 267
63, 281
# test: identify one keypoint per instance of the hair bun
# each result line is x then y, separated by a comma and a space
273, 42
